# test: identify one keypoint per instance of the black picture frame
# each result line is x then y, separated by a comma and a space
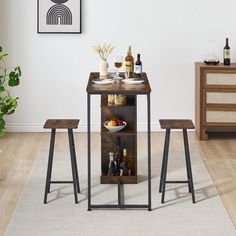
49, 22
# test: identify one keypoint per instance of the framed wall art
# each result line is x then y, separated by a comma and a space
59, 16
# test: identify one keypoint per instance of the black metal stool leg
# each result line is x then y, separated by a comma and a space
188, 164
49, 168
72, 163
186, 154
166, 151
163, 162
75, 163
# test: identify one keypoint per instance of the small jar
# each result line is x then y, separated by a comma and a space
120, 99
111, 99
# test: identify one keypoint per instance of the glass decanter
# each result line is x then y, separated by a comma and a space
211, 58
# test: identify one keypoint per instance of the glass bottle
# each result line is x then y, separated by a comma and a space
227, 53
211, 58
129, 62
124, 167
112, 169
138, 67
118, 157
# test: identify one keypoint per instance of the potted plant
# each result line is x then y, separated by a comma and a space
9, 77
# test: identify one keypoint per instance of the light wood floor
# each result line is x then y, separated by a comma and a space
19, 150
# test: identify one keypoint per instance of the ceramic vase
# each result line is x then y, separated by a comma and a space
103, 68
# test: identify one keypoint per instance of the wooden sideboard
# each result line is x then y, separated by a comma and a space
215, 99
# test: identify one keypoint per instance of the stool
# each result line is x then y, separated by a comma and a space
69, 125
176, 124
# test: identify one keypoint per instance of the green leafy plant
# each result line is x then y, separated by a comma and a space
9, 77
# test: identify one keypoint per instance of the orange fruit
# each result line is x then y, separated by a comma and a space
111, 123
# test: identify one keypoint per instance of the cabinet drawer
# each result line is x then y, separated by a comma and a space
220, 79
220, 97
221, 116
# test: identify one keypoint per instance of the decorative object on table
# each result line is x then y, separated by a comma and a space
129, 62
133, 81
8, 77
211, 58
103, 51
124, 167
227, 53
112, 165
103, 82
118, 61
59, 16
114, 125
138, 67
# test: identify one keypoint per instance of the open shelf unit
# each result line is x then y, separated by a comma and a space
127, 136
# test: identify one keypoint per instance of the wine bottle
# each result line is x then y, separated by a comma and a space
112, 168
129, 62
124, 168
118, 155
227, 53
138, 67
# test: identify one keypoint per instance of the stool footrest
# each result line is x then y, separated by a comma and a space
61, 182
177, 181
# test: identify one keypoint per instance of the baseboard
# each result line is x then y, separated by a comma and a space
38, 127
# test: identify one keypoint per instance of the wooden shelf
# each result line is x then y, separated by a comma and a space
116, 179
127, 137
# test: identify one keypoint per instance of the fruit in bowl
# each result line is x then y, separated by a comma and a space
115, 125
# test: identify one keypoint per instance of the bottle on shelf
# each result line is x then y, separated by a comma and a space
112, 169
129, 62
227, 53
138, 67
124, 167
118, 157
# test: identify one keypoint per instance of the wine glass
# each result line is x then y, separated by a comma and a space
118, 61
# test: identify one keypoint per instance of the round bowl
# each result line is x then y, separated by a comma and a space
114, 128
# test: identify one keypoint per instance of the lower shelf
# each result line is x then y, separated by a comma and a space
116, 179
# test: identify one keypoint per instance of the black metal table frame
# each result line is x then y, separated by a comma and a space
119, 205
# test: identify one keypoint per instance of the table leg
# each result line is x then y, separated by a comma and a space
149, 150
89, 150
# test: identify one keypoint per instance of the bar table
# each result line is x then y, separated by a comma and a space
129, 134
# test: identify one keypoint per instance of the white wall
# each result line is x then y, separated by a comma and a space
1, 22
170, 35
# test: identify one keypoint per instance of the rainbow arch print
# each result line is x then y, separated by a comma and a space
59, 14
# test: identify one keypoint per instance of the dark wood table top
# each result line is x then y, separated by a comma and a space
176, 124
118, 88
61, 124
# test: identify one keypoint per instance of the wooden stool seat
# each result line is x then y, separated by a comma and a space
61, 124
176, 124
68, 124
